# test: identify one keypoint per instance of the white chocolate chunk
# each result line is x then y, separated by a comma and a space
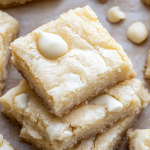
140, 143
137, 32
21, 101
57, 131
136, 144
114, 14
51, 45
112, 104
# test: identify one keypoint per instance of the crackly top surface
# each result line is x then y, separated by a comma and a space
128, 93
92, 53
9, 27
139, 139
4, 145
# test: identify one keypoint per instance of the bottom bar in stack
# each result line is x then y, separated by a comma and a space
4, 145
110, 140
21, 104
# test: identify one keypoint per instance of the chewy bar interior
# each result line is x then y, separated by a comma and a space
22, 104
139, 139
94, 61
8, 32
11, 3
109, 140
4, 145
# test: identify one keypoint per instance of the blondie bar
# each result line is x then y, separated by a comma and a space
4, 145
147, 66
11, 3
110, 140
9, 28
90, 60
139, 139
22, 104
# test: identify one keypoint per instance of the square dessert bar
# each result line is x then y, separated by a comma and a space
9, 28
139, 139
22, 104
11, 3
94, 61
147, 66
110, 140
4, 145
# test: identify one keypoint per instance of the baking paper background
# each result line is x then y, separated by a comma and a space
40, 12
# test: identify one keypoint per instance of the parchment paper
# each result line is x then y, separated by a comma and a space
38, 13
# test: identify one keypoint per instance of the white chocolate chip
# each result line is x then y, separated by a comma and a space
113, 105
51, 45
58, 131
114, 14
21, 101
136, 144
137, 32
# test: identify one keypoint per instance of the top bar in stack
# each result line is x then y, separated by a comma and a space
94, 61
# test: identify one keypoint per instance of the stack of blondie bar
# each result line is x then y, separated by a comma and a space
78, 92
